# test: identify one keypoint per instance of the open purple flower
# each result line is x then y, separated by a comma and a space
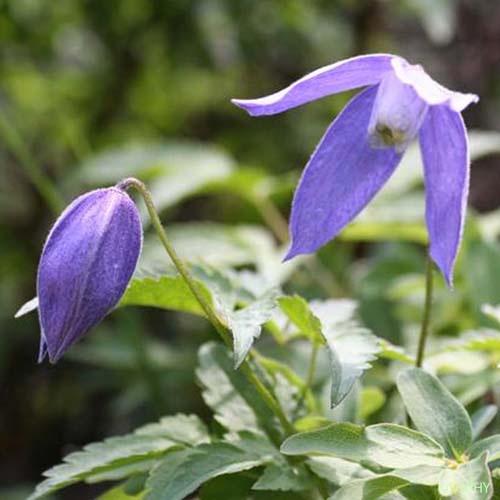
365, 143
86, 264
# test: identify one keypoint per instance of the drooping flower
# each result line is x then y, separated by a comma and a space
86, 264
363, 146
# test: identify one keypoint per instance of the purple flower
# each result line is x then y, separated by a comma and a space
87, 262
365, 143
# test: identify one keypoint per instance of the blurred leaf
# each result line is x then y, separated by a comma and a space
435, 411
482, 272
481, 419
173, 170
491, 444
492, 311
209, 243
469, 481
387, 445
372, 399
183, 472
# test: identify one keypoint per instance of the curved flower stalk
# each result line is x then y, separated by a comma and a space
86, 264
363, 146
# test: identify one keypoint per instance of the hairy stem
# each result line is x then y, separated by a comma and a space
211, 315
42, 183
424, 332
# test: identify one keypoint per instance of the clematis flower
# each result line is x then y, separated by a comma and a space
363, 146
86, 264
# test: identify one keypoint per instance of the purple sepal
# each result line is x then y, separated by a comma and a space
342, 176
86, 264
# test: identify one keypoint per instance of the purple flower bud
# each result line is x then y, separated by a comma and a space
87, 262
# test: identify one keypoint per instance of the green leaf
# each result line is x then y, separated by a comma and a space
435, 411
491, 444
246, 324
468, 481
185, 429
235, 402
369, 489
182, 473
337, 470
165, 290
298, 312
388, 445
98, 458
283, 478
481, 419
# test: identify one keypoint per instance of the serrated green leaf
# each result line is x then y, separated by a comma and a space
298, 312
491, 444
185, 429
165, 290
98, 458
481, 419
351, 347
388, 445
369, 489
468, 481
182, 473
435, 411
283, 478
236, 404
246, 324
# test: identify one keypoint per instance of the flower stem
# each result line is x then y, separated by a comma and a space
42, 183
424, 332
221, 329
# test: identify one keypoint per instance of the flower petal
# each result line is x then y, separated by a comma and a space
428, 89
86, 264
344, 75
342, 176
445, 153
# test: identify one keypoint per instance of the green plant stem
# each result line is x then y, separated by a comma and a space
221, 329
424, 332
310, 374
32, 169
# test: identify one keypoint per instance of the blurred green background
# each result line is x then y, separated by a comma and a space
92, 90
